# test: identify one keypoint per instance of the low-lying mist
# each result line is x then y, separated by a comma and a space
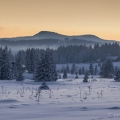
15, 49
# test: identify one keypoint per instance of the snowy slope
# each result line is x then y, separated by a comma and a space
18, 100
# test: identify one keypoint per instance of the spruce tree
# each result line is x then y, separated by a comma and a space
83, 70
76, 77
73, 69
13, 68
117, 76
91, 69
107, 69
62, 69
80, 71
65, 74
53, 72
67, 68
46, 69
30, 60
116, 69
27, 59
95, 70
19, 69
86, 76
5, 68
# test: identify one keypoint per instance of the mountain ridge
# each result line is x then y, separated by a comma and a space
45, 39
53, 38
55, 35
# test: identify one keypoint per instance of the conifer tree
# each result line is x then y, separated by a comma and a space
65, 74
46, 69
95, 70
30, 60
5, 68
62, 69
117, 76
27, 59
53, 72
80, 71
116, 69
76, 77
67, 68
91, 69
86, 77
83, 70
73, 69
19, 68
107, 69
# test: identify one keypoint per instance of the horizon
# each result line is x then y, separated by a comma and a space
73, 17
55, 33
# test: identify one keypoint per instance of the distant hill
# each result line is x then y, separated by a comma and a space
50, 39
54, 35
48, 35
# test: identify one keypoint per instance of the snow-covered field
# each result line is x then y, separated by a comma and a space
85, 65
70, 99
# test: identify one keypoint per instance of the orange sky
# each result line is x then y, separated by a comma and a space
70, 17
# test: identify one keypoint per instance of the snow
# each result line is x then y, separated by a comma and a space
85, 65
23, 66
18, 100
80, 65
112, 57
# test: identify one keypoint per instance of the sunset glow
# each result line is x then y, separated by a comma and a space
69, 17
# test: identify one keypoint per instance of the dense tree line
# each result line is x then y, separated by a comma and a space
73, 54
82, 53
5, 64
12, 67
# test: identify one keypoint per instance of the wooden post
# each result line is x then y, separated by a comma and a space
2, 89
50, 93
39, 91
80, 92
